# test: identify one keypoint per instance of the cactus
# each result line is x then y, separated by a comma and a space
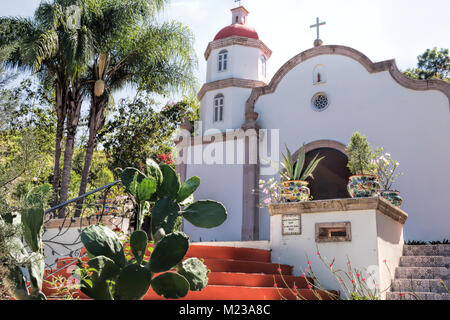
138, 244
195, 273
101, 241
32, 223
159, 188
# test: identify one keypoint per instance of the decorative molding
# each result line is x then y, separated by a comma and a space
371, 67
332, 144
230, 82
353, 204
237, 41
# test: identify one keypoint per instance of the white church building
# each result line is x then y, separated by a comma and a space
318, 98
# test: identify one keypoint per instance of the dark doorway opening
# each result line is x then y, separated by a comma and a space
331, 175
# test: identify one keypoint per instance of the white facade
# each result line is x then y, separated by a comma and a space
409, 118
413, 126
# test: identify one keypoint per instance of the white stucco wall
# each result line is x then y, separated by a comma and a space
374, 237
390, 248
219, 182
414, 126
243, 63
233, 111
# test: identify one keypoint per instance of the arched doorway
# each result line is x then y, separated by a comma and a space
331, 175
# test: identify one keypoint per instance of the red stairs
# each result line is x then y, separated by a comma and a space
236, 274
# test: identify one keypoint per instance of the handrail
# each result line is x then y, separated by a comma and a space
82, 196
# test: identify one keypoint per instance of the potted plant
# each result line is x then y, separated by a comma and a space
364, 181
294, 187
386, 171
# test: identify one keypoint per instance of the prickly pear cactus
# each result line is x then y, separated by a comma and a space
159, 191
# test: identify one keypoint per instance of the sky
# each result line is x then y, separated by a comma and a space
380, 29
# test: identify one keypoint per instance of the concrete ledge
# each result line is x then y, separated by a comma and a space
108, 221
354, 204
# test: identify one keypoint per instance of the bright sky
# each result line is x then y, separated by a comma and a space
381, 29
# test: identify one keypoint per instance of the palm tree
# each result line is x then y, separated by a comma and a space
135, 51
48, 46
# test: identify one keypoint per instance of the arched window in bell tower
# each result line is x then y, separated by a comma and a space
263, 66
218, 108
319, 74
223, 60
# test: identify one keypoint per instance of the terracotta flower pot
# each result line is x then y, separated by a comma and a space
295, 191
393, 197
363, 186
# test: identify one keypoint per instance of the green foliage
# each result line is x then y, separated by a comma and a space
432, 64
131, 279
138, 128
296, 171
360, 155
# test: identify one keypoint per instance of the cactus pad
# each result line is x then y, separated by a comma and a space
205, 214
195, 273
101, 241
133, 283
138, 244
170, 285
169, 251
188, 188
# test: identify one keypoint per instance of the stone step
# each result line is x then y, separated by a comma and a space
417, 296
427, 250
422, 273
419, 285
425, 261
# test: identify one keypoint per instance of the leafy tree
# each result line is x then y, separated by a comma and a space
58, 54
134, 50
432, 64
138, 132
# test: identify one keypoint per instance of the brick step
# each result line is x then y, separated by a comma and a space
422, 273
417, 296
425, 261
427, 250
256, 280
213, 292
419, 285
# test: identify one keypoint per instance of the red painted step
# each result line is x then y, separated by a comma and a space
236, 274
256, 280
213, 292
218, 252
228, 265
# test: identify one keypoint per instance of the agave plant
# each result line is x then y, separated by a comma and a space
295, 171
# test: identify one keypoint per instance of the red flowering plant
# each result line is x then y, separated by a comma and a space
355, 284
165, 158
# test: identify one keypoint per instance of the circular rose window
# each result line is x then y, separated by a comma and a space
320, 101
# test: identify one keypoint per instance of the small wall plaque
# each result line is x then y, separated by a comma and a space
291, 224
